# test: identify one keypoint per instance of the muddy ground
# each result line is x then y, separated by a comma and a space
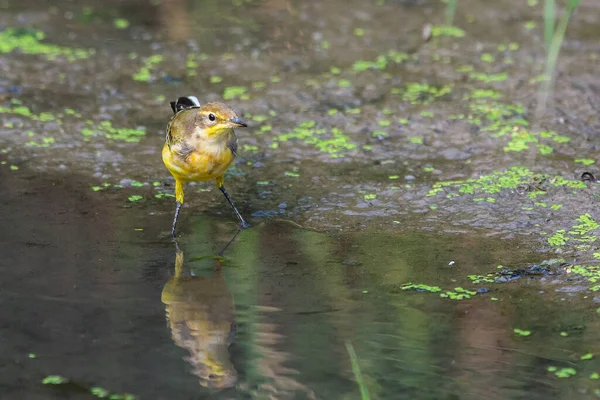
390, 159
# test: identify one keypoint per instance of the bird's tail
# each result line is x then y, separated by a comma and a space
184, 103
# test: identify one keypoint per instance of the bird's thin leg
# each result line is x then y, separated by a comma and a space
179, 198
177, 208
243, 224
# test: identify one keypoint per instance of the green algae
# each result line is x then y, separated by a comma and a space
489, 278
29, 41
585, 161
333, 141
45, 142
447, 31
421, 93
105, 128
144, 74
135, 197
488, 78
382, 61
578, 233
54, 380
522, 332
458, 294
233, 92
121, 23
495, 182
420, 287
564, 372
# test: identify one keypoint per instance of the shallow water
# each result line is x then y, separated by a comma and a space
87, 288
373, 159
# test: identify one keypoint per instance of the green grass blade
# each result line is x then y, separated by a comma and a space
552, 55
549, 21
364, 393
450, 10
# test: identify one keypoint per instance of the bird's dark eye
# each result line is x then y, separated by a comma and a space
212, 117
212, 376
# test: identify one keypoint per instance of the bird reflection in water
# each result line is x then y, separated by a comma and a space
201, 316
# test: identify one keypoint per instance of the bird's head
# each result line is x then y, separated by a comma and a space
216, 118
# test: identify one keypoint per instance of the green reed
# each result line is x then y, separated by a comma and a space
364, 393
554, 34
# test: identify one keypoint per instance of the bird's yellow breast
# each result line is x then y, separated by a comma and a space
208, 163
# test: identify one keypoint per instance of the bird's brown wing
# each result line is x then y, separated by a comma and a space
177, 143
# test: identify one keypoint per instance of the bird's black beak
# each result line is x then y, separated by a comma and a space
238, 122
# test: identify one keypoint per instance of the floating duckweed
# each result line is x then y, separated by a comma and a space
359, 32
416, 140
384, 123
54, 380
458, 294
381, 62
594, 376
488, 58
262, 183
233, 92
144, 74
446, 30
121, 23
46, 142
265, 128
483, 94
421, 93
250, 147
291, 174
379, 133
370, 196
564, 334
106, 129
335, 70
420, 287
393, 177
578, 233
522, 332
489, 278
14, 168
28, 41
135, 197
337, 144
519, 140
163, 194
259, 118
344, 83
587, 356
565, 372
96, 188
332, 111
275, 79
488, 78
545, 149
215, 79
585, 161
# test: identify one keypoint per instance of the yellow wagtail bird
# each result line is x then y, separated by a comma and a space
200, 146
